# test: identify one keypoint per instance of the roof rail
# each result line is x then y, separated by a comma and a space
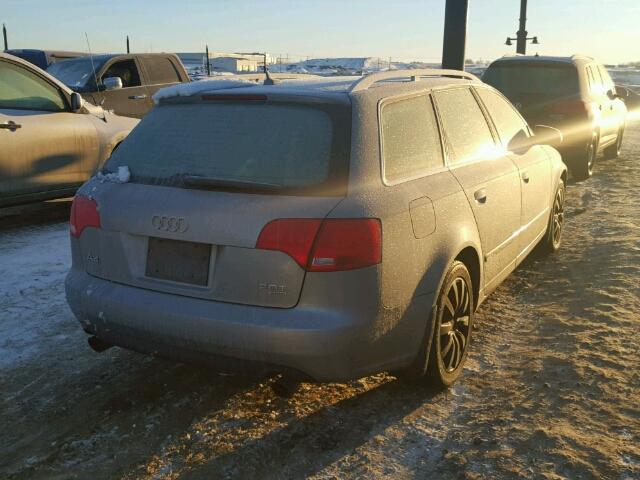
367, 80
260, 76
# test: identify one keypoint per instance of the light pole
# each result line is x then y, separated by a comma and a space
4, 34
521, 35
455, 34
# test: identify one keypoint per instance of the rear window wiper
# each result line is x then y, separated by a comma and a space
224, 183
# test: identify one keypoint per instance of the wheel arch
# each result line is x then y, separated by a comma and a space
470, 258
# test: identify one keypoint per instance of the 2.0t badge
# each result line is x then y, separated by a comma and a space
169, 224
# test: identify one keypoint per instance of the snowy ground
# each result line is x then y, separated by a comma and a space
551, 389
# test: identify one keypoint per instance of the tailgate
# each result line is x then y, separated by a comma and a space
195, 243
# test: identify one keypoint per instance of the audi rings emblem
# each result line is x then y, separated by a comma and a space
169, 224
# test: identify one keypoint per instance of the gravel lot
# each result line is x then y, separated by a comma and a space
551, 390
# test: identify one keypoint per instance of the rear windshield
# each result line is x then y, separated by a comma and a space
551, 80
290, 147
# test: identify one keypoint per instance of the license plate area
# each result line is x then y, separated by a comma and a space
178, 261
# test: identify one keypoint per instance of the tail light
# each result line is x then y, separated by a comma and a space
569, 108
325, 245
84, 213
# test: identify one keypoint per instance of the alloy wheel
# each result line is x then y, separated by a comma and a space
558, 216
455, 324
592, 152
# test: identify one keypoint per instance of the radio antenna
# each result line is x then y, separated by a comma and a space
93, 67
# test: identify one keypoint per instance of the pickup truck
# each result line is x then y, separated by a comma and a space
122, 83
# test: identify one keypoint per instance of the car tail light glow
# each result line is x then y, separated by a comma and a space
325, 245
84, 213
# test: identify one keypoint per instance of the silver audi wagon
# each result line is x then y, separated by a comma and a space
330, 229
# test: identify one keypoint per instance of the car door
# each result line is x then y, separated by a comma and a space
600, 104
43, 145
132, 100
159, 71
533, 164
611, 108
488, 176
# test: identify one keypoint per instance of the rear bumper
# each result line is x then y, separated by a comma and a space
322, 343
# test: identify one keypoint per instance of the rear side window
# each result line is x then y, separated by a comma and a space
464, 125
597, 84
606, 79
21, 89
506, 119
160, 70
126, 70
410, 138
291, 147
591, 79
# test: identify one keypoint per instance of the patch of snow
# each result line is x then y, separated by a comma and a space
33, 308
200, 86
123, 175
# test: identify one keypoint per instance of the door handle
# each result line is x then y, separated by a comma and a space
525, 177
137, 97
10, 125
480, 196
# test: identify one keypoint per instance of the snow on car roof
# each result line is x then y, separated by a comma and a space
288, 85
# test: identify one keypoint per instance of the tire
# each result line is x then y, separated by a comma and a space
582, 164
613, 150
453, 323
553, 237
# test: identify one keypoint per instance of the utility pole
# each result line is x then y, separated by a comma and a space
4, 34
521, 34
128, 49
455, 34
206, 49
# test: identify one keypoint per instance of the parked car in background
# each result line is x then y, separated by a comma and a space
51, 140
574, 94
43, 58
123, 84
331, 228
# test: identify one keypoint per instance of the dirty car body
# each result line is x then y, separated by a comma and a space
50, 141
303, 227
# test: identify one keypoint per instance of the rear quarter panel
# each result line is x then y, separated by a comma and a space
413, 262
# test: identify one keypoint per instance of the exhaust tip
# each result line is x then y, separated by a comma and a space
98, 345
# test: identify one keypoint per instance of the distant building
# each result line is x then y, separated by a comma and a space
226, 62
233, 64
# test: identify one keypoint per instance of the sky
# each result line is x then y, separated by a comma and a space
401, 29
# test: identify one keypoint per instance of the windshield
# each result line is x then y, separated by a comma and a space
287, 146
550, 80
77, 73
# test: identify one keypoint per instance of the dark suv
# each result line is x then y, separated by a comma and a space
121, 83
574, 94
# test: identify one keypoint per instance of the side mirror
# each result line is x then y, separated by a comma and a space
612, 94
112, 83
520, 142
77, 102
622, 92
544, 135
